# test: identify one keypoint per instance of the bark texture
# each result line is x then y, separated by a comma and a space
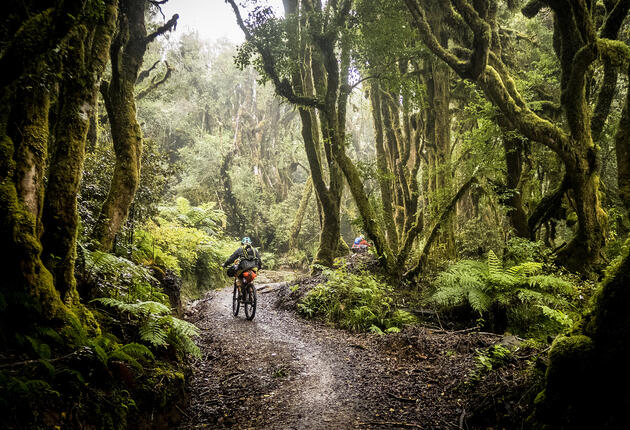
88, 55
127, 52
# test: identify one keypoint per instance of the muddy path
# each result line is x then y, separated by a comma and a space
282, 372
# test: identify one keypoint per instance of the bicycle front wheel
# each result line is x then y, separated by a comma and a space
236, 303
250, 302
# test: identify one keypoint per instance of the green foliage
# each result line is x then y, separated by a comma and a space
103, 274
519, 250
493, 358
357, 302
155, 326
187, 240
270, 260
534, 303
475, 238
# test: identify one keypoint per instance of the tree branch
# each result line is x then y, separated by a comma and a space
446, 212
282, 86
171, 25
155, 83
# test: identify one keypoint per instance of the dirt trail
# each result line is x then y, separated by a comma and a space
281, 372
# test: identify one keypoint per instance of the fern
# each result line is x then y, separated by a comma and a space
479, 300
494, 264
154, 333
156, 327
139, 309
525, 269
487, 287
137, 350
354, 301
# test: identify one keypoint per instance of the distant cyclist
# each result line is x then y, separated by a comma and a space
248, 260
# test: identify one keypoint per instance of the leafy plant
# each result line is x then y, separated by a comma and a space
519, 295
355, 301
103, 274
187, 240
155, 326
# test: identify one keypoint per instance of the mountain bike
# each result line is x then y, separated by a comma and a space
245, 295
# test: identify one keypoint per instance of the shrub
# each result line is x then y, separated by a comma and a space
357, 302
187, 240
101, 274
519, 298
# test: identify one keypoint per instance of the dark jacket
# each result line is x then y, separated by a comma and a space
247, 255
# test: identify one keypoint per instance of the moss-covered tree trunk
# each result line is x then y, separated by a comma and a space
385, 174
514, 201
87, 55
588, 372
127, 53
299, 215
28, 291
309, 81
439, 100
577, 46
622, 150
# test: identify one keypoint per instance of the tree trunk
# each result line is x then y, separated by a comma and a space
439, 101
77, 100
514, 201
584, 364
385, 174
622, 149
584, 248
299, 216
27, 287
127, 52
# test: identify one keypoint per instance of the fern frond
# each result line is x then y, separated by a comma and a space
479, 301
100, 353
494, 264
137, 350
106, 340
184, 328
154, 307
450, 296
138, 309
525, 269
154, 332
557, 316
551, 284
121, 355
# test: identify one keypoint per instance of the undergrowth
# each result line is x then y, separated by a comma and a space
521, 298
355, 301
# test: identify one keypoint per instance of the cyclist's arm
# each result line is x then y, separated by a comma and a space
232, 257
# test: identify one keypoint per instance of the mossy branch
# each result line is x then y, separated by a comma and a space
282, 86
446, 212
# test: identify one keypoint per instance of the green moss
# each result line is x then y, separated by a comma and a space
615, 51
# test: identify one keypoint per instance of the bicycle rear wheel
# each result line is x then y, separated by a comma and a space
236, 303
250, 302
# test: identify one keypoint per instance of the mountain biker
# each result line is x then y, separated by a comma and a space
248, 259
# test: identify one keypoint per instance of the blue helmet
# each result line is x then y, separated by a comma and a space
246, 241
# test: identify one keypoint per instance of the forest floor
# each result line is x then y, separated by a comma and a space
280, 371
